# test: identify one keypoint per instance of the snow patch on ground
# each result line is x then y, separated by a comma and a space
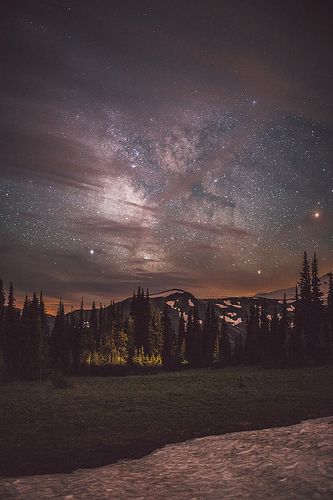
284, 462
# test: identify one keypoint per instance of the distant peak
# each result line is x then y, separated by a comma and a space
163, 293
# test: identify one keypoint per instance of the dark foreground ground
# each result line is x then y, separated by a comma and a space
97, 421
293, 462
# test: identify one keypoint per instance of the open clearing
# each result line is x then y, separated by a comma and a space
97, 421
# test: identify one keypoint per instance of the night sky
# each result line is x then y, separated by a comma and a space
166, 143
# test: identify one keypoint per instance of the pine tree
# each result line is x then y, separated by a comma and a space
189, 335
196, 341
283, 331
251, 341
59, 342
263, 332
2, 317
12, 342
224, 345
25, 327
77, 337
181, 339
44, 336
330, 297
207, 338
128, 330
141, 314
329, 314
296, 342
305, 307
93, 340
101, 326
34, 341
305, 281
167, 352
317, 312
274, 338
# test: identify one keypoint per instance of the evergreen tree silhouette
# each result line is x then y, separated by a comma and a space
181, 337
207, 337
76, 336
34, 341
296, 341
283, 331
329, 315
263, 332
317, 311
167, 352
93, 323
196, 341
305, 306
2, 316
12, 342
224, 345
59, 342
251, 341
189, 335
141, 314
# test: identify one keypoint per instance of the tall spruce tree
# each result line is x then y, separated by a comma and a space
44, 336
141, 314
59, 342
34, 342
224, 345
296, 341
251, 340
189, 335
181, 337
12, 340
167, 351
263, 332
329, 314
305, 306
207, 337
77, 337
2, 317
196, 341
283, 331
317, 311
93, 324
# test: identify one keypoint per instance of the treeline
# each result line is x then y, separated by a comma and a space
108, 337
301, 333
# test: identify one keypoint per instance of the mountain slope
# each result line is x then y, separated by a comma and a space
290, 292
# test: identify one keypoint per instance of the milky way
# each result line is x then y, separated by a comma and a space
168, 144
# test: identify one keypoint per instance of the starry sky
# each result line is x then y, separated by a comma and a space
168, 143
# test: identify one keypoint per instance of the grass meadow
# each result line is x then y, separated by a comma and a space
99, 420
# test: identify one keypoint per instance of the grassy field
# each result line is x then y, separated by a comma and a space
100, 420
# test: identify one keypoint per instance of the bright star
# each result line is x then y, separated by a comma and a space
91, 252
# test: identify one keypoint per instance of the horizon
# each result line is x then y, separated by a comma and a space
164, 145
51, 307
